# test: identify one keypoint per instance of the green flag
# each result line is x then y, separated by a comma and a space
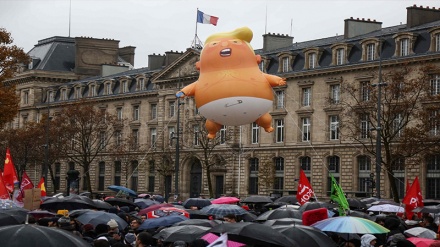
337, 195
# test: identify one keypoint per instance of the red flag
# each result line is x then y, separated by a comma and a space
4, 194
305, 190
42, 187
25, 184
413, 198
9, 174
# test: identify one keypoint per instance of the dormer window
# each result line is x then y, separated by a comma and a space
264, 64
63, 94
125, 88
285, 62
108, 90
404, 44
51, 96
78, 92
92, 90
140, 84
435, 39
340, 56
312, 56
370, 49
340, 53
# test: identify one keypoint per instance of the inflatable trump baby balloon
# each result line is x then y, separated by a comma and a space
231, 89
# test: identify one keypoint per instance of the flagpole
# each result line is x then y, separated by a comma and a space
197, 15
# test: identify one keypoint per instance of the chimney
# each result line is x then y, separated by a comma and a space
156, 61
171, 56
416, 16
127, 53
276, 41
355, 27
91, 53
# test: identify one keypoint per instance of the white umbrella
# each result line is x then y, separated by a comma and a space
387, 208
420, 232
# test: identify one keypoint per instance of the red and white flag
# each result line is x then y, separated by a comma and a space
4, 193
413, 198
9, 173
305, 190
25, 184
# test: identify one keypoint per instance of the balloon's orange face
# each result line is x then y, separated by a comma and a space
226, 53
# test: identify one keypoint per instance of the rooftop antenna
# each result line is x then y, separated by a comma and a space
265, 24
70, 15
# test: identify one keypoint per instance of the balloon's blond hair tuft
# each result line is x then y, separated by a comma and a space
243, 33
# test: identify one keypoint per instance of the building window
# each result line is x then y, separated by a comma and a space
286, 64
153, 137
340, 56
57, 176
280, 99
371, 49
117, 176
64, 94
435, 85
223, 135
364, 165
279, 174
153, 108
134, 175
151, 183
136, 113
437, 42
171, 134
119, 113
253, 175
255, 133
172, 107
92, 90
78, 93
404, 47
263, 66
312, 60
398, 169
433, 176
434, 123
51, 96
118, 138
306, 96
397, 125
365, 126
102, 140
196, 140
334, 127
108, 89
279, 132
125, 88
365, 91
305, 129
135, 138
306, 165
335, 93
25, 97
101, 176
141, 84
333, 164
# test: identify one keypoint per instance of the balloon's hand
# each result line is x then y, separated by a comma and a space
180, 94
282, 82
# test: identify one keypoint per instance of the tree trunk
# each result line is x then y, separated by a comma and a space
393, 186
52, 178
208, 176
87, 172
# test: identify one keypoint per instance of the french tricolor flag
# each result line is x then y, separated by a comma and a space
206, 19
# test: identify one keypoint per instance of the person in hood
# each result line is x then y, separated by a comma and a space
368, 240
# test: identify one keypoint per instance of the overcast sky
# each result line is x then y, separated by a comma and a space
157, 26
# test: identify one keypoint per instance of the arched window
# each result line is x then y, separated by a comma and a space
253, 175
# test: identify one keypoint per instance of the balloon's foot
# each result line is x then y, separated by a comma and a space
269, 130
211, 136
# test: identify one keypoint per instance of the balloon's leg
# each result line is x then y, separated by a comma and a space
212, 128
265, 121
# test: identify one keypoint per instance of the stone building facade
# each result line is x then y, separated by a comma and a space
306, 111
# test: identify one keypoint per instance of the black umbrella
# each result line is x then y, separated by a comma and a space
187, 233
427, 209
99, 204
145, 203
283, 222
121, 202
77, 212
315, 205
257, 199
13, 216
199, 222
288, 199
196, 202
253, 234
306, 236
162, 221
100, 217
249, 217
197, 214
36, 236
68, 203
279, 213
356, 203
274, 205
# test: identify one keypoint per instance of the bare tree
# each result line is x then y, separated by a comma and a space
266, 173
85, 133
409, 115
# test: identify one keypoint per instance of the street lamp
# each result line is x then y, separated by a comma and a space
46, 146
177, 137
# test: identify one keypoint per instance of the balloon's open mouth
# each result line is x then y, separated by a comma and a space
225, 52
